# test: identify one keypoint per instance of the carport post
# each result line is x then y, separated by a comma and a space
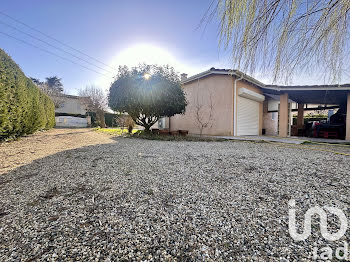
283, 120
347, 136
300, 120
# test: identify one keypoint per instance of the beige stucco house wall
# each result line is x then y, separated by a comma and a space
244, 113
270, 119
216, 90
271, 115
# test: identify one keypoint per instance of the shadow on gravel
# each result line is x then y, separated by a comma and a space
136, 200
35, 167
72, 133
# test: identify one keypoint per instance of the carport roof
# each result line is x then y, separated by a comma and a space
307, 94
312, 94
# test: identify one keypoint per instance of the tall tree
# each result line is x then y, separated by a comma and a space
95, 100
55, 83
53, 87
36, 81
146, 93
284, 37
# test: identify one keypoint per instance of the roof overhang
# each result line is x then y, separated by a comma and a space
308, 94
71, 96
312, 95
235, 73
309, 88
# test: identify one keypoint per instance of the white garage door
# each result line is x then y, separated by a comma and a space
247, 117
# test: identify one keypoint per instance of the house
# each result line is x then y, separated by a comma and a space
231, 103
72, 112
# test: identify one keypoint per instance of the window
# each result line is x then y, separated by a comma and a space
273, 116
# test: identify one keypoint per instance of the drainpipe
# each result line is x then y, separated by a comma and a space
235, 104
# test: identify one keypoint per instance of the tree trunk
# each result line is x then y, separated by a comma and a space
100, 117
147, 129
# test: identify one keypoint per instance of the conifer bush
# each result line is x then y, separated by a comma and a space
24, 108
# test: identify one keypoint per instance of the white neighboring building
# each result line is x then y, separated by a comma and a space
72, 105
72, 121
71, 112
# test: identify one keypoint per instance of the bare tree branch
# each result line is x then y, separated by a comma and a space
203, 111
284, 37
94, 100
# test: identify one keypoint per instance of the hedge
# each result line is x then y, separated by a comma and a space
24, 108
109, 119
310, 118
68, 114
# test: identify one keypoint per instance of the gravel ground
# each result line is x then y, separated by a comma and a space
149, 200
41, 144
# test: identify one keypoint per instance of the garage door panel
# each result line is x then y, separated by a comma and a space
247, 117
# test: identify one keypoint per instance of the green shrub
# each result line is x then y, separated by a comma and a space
24, 108
144, 135
109, 119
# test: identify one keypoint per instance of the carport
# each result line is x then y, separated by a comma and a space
316, 94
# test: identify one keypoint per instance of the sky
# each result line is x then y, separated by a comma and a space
115, 32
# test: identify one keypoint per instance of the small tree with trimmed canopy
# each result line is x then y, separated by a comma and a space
147, 93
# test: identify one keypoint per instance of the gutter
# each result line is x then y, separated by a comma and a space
249, 79
344, 87
226, 72
203, 74
235, 104
309, 88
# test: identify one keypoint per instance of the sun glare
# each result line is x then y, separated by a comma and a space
146, 76
144, 53
148, 54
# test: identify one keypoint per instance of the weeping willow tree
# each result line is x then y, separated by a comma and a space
285, 37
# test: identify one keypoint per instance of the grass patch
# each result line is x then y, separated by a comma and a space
116, 131
325, 143
143, 135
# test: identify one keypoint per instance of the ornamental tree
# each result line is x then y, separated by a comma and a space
147, 93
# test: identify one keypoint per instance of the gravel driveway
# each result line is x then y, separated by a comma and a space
131, 199
41, 144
